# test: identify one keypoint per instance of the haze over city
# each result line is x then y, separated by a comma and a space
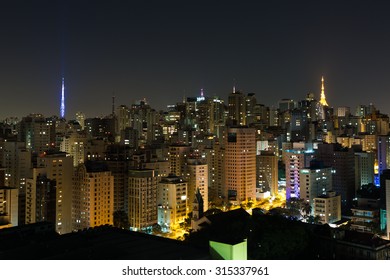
163, 51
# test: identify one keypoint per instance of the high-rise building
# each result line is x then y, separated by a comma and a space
267, 172
342, 161
8, 203
343, 111
217, 116
41, 198
197, 178
369, 142
383, 148
74, 144
59, 167
216, 164
294, 161
142, 195
315, 181
16, 160
101, 127
250, 103
240, 163
34, 131
93, 201
171, 202
177, 158
123, 118
80, 118
364, 169
119, 169
286, 105
236, 108
388, 207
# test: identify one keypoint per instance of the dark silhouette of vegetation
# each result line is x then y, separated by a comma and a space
275, 237
269, 236
121, 219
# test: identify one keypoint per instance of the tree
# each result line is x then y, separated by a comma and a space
121, 220
298, 209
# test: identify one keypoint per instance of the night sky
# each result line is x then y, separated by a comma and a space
164, 50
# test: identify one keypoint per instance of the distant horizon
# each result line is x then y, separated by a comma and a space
174, 102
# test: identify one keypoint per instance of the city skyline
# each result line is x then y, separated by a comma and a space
164, 51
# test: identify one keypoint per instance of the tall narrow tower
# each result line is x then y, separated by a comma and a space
62, 108
323, 99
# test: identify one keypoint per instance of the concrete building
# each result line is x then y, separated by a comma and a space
171, 202
388, 208
59, 167
216, 164
240, 164
96, 148
236, 108
383, 156
34, 131
342, 161
16, 160
74, 144
267, 172
80, 118
41, 198
93, 196
315, 181
294, 161
328, 207
162, 168
364, 168
177, 158
123, 118
8, 203
197, 177
366, 215
142, 196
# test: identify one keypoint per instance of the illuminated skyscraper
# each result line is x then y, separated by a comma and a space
383, 148
236, 108
342, 160
80, 118
323, 99
240, 164
93, 189
295, 161
364, 169
267, 172
59, 168
315, 181
197, 180
142, 195
387, 199
172, 202
34, 131
62, 109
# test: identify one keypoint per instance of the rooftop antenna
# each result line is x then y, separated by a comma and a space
62, 108
113, 103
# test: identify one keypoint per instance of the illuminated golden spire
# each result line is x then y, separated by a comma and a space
323, 99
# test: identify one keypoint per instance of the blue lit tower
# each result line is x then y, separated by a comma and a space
62, 109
